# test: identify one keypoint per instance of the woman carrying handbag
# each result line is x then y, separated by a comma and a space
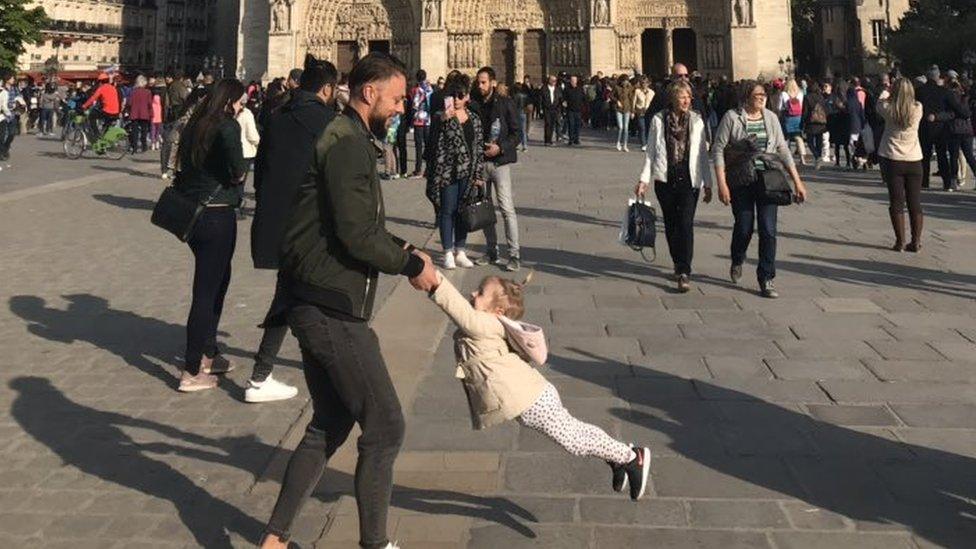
459, 165
212, 166
754, 125
677, 162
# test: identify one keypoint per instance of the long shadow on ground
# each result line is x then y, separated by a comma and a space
97, 444
862, 476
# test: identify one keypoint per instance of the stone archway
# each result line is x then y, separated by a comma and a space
345, 30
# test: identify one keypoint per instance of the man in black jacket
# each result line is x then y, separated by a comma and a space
933, 132
574, 98
282, 164
335, 246
551, 96
500, 123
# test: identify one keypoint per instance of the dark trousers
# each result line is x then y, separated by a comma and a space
678, 205
961, 144
930, 142
139, 135
349, 383
212, 242
749, 211
275, 327
419, 141
549, 125
8, 130
574, 120
815, 141
904, 182
400, 150
46, 123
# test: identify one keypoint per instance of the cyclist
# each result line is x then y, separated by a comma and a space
109, 102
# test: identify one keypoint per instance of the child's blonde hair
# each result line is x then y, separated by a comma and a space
512, 295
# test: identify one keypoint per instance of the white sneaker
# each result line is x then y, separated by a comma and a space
389, 545
644, 148
462, 260
619, 147
626, 150
449, 260
268, 390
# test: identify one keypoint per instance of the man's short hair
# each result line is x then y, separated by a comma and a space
933, 73
374, 67
489, 71
295, 75
421, 75
6, 74
317, 73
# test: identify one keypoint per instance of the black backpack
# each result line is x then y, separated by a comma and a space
641, 227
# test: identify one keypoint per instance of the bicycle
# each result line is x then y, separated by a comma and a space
113, 143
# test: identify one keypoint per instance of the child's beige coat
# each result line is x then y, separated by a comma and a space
498, 383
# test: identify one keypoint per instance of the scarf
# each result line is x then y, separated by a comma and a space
676, 133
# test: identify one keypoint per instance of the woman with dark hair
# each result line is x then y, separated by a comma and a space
743, 189
212, 166
458, 165
839, 123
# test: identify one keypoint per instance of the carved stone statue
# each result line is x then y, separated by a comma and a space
432, 14
742, 9
280, 16
362, 46
601, 12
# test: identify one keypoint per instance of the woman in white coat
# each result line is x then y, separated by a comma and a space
250, 138
677, 162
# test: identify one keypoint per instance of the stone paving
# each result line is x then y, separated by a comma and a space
842, 415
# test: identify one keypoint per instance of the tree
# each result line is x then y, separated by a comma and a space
936, 32
804, 14
19, 25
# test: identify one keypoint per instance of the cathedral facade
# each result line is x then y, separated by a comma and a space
735, 38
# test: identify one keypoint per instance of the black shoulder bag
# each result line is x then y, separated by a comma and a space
178, 214
477, 210
774, 184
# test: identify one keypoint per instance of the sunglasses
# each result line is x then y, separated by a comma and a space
681, 76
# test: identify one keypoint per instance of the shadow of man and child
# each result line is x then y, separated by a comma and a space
859, 475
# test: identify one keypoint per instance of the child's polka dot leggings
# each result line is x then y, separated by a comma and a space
549, 417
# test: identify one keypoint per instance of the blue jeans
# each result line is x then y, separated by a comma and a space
642, 130
748, 209
524, 129
574, 120
454, 236
623, 128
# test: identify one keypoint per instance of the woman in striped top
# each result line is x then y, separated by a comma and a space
745, 197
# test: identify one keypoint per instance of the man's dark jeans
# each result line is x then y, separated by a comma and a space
419, 140
574, 120
749, 210
275, 329
7, 133
678, 205
349, 383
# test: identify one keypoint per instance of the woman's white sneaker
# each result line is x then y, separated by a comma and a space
449, 263
462, 260
268, 390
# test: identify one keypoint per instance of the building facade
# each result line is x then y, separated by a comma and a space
737, 38
86, 35
850, 34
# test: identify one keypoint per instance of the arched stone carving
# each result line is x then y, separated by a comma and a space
360, 21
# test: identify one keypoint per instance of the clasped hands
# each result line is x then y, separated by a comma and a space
427, 280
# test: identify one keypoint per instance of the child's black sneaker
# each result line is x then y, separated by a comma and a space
638, 471
619, 477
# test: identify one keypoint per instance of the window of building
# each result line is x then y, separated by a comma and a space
830, 48
75, 58
878, 31
829, 14
88, 58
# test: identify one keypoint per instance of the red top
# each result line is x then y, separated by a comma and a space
140, 104
109, 96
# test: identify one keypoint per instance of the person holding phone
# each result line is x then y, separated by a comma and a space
753, 121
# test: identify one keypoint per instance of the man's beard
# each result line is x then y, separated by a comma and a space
377, 125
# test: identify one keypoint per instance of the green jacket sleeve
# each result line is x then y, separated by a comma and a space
353, 207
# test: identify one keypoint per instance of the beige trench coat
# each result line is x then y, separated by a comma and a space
499, 385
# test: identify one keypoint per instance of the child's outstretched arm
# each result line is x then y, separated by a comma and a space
472, 322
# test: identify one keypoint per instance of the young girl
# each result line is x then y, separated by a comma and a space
501, 385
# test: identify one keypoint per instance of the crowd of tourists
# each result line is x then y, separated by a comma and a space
320, 145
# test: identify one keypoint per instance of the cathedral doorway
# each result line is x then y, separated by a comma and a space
685, 48
534, 56
382, 46
345, 56
654, 57
502, 57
